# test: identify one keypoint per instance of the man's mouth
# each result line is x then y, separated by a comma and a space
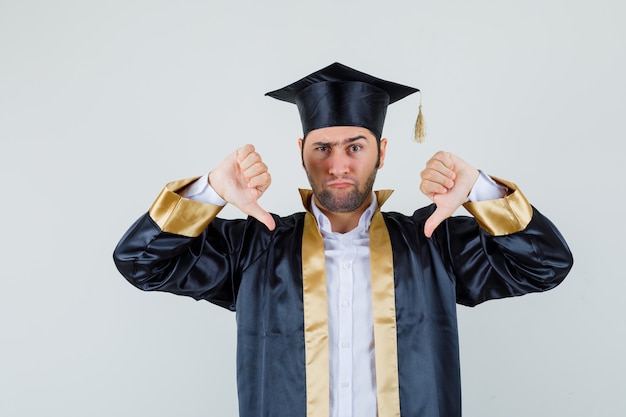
340, 184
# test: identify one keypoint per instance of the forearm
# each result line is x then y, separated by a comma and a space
161, 250
201, 190
535, 259
505, 215
513, 250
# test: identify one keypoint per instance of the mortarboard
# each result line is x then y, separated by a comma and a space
338, 95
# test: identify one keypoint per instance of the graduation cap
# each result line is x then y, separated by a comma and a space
338, 95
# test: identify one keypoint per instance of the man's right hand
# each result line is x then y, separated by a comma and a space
241, 179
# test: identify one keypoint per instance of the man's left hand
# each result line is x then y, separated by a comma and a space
447, 180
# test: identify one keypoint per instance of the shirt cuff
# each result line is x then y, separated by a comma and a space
200, 190
485, 188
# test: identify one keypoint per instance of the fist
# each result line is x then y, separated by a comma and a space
241, 179
447, 180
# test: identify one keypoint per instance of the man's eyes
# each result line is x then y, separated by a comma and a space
351, 148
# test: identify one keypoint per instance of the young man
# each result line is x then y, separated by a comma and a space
344, 310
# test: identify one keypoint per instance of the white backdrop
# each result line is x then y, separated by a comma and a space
102, 103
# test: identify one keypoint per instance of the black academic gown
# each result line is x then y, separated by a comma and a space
240, 265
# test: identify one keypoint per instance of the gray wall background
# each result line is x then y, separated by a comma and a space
102, 103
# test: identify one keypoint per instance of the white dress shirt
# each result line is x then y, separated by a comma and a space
350, 319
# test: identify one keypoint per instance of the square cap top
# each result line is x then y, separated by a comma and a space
338, 95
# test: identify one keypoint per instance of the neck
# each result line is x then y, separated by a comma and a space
344, 222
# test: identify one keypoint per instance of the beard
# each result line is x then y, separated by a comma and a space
346, 202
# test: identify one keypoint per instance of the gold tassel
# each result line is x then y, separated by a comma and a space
420, 128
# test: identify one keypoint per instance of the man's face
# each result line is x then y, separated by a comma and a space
341, 163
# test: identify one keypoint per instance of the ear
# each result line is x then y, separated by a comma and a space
301, 147
383, 151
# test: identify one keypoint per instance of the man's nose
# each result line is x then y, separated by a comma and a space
338, 165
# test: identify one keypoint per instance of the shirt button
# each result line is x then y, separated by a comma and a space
345, 304
345, 344
345, 384
346, 266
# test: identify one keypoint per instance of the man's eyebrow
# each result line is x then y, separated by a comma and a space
340, 142
354, 139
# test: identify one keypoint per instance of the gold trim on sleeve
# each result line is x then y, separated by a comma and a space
502, 216
384, 311
315, 303
182, 216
